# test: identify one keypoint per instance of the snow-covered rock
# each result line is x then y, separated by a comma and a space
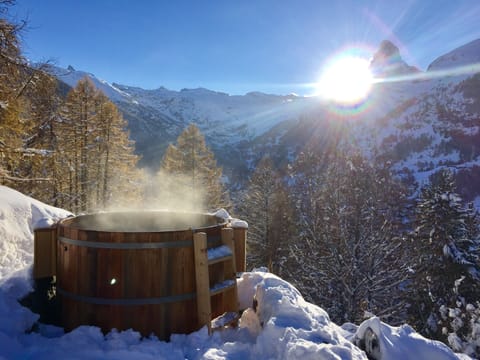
385, 342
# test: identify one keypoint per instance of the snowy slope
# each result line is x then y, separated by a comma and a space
284, 325
70, 76
255, 111
417, 122
468, 54
435, 124
219, 112
156, 117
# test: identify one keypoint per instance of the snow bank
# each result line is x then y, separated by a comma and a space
398, 343
292, 328
278, 322
18, 216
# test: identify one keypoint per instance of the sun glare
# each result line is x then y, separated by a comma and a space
346, 80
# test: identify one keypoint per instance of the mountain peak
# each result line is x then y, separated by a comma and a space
387, 61
387, 50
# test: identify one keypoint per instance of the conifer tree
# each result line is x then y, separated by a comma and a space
446, 252
350, 254
189, 177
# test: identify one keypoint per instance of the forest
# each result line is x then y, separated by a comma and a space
349, 235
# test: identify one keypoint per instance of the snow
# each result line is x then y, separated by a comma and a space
234, 223
19, 215
403, 342
71, 77
218, 115
239, 224
222, 214
277, 323
468, 54
218, 252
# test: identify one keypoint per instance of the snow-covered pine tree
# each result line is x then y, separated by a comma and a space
460, 324
350, 253
189, 177
446, 253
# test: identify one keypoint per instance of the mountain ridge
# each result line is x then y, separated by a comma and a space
420, 123
468, 54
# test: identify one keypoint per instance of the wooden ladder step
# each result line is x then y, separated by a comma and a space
224, 320
219, 254
222, 287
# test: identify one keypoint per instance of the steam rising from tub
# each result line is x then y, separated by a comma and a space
160, 191
176, 193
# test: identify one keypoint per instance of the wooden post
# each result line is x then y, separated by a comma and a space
231, 299
45, 253
227, 239
240, 239
204, 308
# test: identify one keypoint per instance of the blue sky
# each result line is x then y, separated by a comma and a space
274, 46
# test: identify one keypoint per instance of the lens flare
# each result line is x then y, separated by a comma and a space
346, 79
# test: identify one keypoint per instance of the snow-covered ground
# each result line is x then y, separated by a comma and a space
284, 325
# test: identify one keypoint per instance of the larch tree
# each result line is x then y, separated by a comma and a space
265, 206
40, 110
189, 177
95, 154
115, 164
78, 132
27, 98
12, 81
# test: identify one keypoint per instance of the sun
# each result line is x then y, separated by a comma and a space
346, 80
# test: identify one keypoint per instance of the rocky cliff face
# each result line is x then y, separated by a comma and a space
388, 62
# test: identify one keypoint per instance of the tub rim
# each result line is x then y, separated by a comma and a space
69, 222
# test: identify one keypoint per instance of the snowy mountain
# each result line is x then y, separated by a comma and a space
388, 62
429, 122
468, 54
419, 121
156, 117
70, 76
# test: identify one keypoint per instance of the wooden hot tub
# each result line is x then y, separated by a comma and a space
132, 270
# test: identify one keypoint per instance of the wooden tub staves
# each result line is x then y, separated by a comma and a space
134, 270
